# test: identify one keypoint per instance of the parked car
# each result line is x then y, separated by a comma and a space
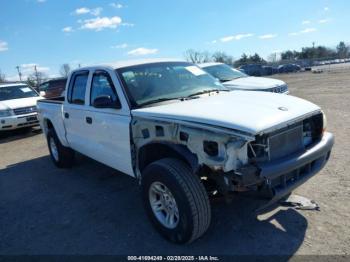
185, 137
236, 80
252, 69
53, 88
267, 70
17, 106
289, 68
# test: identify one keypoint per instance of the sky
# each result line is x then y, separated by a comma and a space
49, 33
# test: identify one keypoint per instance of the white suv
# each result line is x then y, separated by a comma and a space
236, 80
17, 106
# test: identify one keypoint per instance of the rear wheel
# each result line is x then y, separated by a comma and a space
175, 200
62, 156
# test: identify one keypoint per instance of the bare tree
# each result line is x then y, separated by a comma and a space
222, 57
65, 70
2, 77
273, 58
36, 79
197, 56
31, 81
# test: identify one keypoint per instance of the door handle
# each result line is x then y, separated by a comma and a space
88, 120
66, 115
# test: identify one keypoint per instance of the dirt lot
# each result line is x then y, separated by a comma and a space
91, 209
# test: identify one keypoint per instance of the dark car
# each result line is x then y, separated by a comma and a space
267, 70
252, 69
53, 88
274, 70
289, 68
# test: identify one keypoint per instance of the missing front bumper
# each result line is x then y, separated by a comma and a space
284, 175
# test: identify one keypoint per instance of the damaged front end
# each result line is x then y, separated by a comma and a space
217, 149
229, 161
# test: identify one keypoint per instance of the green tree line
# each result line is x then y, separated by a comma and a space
307, 53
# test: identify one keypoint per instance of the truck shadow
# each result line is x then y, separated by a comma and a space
12, 135
92, 209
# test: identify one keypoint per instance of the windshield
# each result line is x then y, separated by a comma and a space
164, 81
16, 92
224, 72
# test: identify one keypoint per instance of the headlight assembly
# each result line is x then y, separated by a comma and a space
6, 112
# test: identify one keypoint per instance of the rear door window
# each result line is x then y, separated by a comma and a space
78, 88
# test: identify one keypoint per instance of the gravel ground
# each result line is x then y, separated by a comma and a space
92, 209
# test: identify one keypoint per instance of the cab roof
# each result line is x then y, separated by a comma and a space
127, 63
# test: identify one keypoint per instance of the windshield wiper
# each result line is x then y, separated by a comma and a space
154, 101
225, 80
207, 91
159, 100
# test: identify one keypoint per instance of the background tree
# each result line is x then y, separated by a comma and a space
252, 59
273, 58
196, 57
65, 70
289, 55
242, 61
2, 77
257, 59
309, 53
36, 79
31, 82
222, 57
342, 50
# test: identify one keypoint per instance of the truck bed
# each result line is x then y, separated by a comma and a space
52, 110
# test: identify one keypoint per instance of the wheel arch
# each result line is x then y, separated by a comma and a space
47, 125
158, 150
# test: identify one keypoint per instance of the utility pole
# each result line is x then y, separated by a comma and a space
19, 73
36, 75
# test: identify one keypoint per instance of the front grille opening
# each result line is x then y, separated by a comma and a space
25, 110
286, 143
28, 123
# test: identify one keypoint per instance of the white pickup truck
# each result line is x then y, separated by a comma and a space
185, 137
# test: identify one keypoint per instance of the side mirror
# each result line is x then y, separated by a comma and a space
105, 102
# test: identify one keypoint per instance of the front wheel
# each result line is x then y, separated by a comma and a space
175, 200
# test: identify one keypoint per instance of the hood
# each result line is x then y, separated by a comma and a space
254, 83
18, 103
246, 111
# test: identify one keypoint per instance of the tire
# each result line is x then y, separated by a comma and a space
63, 157
187, 191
